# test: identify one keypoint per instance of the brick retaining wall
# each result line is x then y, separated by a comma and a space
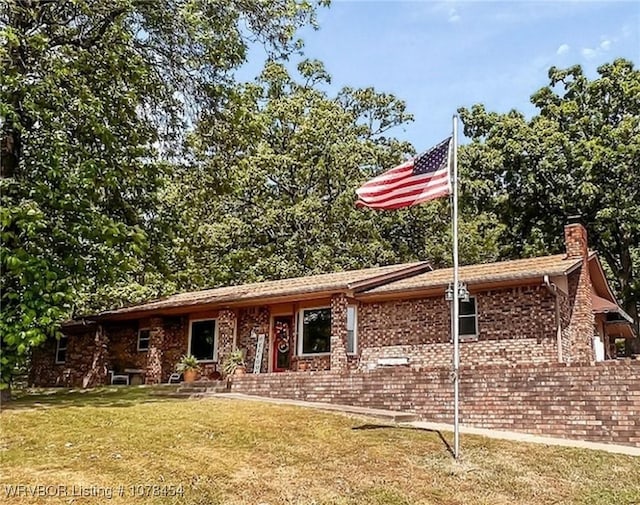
495, 352
599, 402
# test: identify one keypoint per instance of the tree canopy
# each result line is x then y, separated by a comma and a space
580, 155
273, 179
95, 96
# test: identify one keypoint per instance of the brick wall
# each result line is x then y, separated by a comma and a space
581, 323
175, 344
251, 323
481, 352
43, 370
123, 347
515, 325
311, 363
92, 353
598, 402
85, 364
226, 334
167, 344
153, 371
96, 373
338, 360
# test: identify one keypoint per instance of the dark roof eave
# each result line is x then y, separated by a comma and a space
78, 324
473, 283
397, 275
229, 301
213, 304
618, 310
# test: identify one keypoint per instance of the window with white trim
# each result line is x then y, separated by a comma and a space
352, 329
144, 335
203, 339
468, 318
61, 349
314, 331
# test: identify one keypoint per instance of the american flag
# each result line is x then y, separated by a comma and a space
421, 179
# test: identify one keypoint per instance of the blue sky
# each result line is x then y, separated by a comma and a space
438, 56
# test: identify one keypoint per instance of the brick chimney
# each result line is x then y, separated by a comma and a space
577, 335
575, 238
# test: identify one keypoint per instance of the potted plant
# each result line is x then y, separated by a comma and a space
234, 364
189, 367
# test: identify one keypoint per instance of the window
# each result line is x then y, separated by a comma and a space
143, 339
61, 349
314, 331
202, 339
468, 318
352, 328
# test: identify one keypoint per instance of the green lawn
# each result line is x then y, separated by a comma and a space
127, 442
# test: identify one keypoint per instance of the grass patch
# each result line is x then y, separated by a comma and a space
107, 396
235, 452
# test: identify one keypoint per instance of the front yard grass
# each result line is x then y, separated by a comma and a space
131, 445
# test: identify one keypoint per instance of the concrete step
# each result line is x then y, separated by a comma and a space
175, 394
165, 391
202, 387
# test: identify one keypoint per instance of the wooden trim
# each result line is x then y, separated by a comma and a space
59, 348
193, 308
140, 330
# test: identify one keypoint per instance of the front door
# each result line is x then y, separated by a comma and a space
281, 348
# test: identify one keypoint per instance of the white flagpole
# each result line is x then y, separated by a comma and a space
456, 322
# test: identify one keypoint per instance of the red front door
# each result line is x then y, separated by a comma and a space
281, 349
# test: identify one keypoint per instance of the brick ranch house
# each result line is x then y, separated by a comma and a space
538, 310
381, 337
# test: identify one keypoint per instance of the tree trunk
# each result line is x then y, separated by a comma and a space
632, 346
5, 395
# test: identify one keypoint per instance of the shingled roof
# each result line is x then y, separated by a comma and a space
485, 273
371, 283
298, 287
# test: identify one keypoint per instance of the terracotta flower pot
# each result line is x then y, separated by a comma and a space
240, 370
190, 375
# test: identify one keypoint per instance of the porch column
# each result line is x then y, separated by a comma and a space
153, 373
226, 334
339, 305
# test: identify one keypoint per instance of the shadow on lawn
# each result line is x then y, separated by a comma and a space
108, 396
393, 427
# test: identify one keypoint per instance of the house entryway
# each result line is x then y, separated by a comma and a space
282, 342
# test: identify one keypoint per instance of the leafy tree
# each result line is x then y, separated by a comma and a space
579, 156
93, 94
273, 186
